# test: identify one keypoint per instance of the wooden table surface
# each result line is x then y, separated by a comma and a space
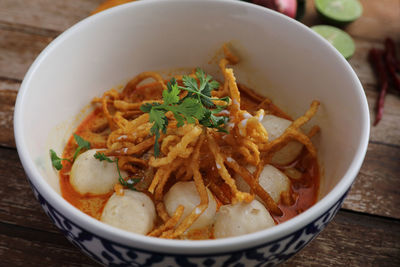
365, 232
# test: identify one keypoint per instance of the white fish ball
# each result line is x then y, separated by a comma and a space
185, 194
271, 179
275, 127
89, 175
133, 212
241, 218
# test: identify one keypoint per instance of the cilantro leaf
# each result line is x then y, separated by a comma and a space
158, 117
147, 107
211, 121
101, 156
191, 108
206, 101
214, 85
156, 131
180, 119
56, 161
190, 82
82, 144
204, 88
171, 96
203, 91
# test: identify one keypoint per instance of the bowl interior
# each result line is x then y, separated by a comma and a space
279, 58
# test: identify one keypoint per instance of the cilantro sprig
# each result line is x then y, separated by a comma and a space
56, 161
82, 144
129, 183
197, 104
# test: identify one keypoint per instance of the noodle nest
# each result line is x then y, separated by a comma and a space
192, 152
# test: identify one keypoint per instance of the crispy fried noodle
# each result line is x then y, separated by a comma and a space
190, 152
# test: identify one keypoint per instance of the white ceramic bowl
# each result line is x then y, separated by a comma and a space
281, 58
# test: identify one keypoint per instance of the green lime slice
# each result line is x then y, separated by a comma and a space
338, 38
339, 11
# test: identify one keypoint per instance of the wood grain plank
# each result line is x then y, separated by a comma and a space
20, 246
388, 129
7, 101
376, 189
18, 206
28, 29
9, 84
18, 51
380, 19
353, 239
47, 14
360, 63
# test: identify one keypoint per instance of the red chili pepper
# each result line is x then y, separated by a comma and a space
376, 58
391, 62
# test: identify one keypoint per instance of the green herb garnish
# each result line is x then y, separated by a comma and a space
82, 143
196, 105
102, 157
129, 183
56, 161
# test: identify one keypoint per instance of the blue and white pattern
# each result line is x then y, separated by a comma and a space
114, 254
